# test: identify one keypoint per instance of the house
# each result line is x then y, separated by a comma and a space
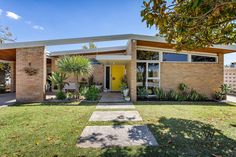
230, 76
147, 62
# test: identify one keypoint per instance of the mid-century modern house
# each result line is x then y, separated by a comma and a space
148, 56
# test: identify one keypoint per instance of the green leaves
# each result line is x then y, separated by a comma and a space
194, 23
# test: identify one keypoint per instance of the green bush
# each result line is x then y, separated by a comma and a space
92, 93
224, 90
160, 94
142, 92
70, 95
83, 90
172, 95
60, 95
182, 95
2, 89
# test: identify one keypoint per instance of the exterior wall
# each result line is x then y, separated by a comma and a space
230, 77
98, 73
202, 77
30, 88
13, 76
131, 70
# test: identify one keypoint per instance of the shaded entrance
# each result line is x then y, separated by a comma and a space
112, 97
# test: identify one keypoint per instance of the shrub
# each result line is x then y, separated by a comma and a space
183, 87
92, 93
224, 90
83, 90
160, 94
2, 89
172, 95
142, 92
70, 95
60, 95
195, 96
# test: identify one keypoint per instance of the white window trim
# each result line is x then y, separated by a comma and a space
195, 54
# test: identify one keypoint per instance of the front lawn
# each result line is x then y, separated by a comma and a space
196, 129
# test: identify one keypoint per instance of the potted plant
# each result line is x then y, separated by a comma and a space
124, 87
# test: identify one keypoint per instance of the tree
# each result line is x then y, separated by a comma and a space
58, 79
77, 65
192, 24
5, 34
91, 46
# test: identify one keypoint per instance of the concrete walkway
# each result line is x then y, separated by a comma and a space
115, 106
115, 135
115, 116
7, 99
126, 135
111, 97
231, 98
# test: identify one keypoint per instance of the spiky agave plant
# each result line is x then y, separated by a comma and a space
79, 66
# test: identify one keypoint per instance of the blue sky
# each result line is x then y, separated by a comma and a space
53, 19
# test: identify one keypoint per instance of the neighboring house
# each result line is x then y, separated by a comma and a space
147, 62
230, 76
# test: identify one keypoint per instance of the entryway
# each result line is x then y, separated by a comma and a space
113, 77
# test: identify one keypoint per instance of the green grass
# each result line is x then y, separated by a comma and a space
190, 129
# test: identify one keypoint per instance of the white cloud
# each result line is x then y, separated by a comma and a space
38, 27
1, 11
12, 15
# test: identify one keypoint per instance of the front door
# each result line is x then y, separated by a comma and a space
117, 73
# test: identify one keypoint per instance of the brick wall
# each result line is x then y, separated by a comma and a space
203, 77
131, 70
30, 88
98, 73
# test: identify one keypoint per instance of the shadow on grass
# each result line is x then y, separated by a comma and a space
181, 137
203, 103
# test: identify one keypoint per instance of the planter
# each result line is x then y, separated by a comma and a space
127, 98
126, 92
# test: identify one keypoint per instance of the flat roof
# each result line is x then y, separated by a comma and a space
96, 39
87, 51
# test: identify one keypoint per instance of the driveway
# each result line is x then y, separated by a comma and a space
7, 99
231, 98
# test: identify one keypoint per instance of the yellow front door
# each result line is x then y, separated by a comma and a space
117, 73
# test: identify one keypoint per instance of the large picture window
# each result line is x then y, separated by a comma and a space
175, 57
147, 55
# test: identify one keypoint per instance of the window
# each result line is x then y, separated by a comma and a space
153, 70
147, 55
197, 58
176, 57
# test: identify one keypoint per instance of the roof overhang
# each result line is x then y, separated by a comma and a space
117, 49
113, 59
228, 48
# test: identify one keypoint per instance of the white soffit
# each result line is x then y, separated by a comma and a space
87, 51
114, 59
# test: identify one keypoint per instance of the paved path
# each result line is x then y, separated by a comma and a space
231, 98
115, 116
7, 99
112, 97
116, 135
115, 106
126, 135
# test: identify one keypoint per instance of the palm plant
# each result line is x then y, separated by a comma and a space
77, 65
58, 79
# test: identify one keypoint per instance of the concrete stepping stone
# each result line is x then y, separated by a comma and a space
115, 106
115, 116
126, 135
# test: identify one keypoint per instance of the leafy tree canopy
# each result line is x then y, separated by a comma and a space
192, 23
5, 34
90, 46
